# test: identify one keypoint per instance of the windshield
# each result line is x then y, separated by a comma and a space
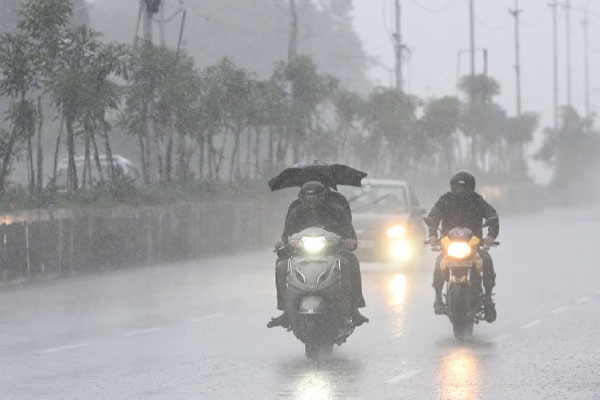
376, 199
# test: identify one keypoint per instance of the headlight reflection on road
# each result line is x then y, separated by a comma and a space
314, 386
397, 290
460, 376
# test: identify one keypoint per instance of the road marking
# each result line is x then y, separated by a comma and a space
583, 299
68, 347
531, 324
500, 338
141, 331
205, 317
559, 310
404, 376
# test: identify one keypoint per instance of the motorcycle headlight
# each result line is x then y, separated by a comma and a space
396, 231
459, 250
313, 244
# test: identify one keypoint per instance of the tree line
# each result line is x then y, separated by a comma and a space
221, 123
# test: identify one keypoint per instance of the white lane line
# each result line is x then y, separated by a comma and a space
531, 324
68, 347
583, 299
205, 317
141, 331
500, 338
404, 376
559, 309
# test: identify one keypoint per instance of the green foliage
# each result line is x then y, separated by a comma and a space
573, 151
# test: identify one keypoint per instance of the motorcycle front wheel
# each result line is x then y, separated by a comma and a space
458, 307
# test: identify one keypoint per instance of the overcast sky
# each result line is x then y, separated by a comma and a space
436, 30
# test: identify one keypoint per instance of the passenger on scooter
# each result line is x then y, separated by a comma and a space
462, 206
317, 205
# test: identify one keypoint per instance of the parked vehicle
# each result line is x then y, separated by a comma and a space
317, 300
388, 221
123, 168
461, 265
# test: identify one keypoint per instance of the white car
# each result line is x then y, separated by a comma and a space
388, 220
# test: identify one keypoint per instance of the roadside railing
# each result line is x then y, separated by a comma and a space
64, 242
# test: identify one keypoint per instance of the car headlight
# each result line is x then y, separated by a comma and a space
396, 231
313, 244
459, 250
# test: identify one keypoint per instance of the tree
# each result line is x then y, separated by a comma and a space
392, 124
307, 91
572, 150
18, 81
440, 123
43, 23
82, 91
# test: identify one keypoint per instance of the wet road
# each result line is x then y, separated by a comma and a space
197, 331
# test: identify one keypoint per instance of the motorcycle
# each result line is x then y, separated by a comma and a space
461, 265
317, 298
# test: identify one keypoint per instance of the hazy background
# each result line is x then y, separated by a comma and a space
436, 30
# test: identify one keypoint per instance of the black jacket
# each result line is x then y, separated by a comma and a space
468, 210
333, 217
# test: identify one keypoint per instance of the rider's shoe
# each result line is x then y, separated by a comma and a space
282, 321
439, 308
358, 319
489, 309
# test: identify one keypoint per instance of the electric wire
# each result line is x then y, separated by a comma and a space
434, 10
489, 27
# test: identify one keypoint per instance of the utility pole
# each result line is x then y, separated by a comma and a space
151, 7
554, 6
567, 6
586, 61
293, 45
472, 36
515, 13
161, 26
398, 47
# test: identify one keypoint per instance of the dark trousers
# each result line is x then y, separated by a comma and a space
489, 276
350, 268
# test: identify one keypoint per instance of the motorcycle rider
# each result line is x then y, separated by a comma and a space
462, 206
318, 205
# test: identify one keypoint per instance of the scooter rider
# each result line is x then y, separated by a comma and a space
317, 205
462, 206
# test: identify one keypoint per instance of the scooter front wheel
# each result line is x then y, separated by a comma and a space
311, 350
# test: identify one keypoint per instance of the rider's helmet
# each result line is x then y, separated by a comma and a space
462, 182
312, 194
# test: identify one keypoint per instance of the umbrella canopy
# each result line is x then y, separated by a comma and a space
328, 174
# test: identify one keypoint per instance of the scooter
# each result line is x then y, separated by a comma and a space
317, 297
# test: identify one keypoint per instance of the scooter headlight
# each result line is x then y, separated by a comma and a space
396, 231
459, 250
313, 244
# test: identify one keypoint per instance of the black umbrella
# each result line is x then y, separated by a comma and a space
328, 174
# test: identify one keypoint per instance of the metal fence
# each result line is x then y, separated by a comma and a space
64, 242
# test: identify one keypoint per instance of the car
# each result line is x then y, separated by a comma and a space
123, 167
388, 221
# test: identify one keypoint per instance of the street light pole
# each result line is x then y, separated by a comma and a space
398, 47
